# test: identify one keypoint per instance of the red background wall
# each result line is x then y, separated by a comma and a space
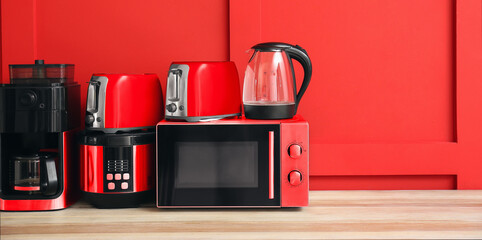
393, 103
114, 36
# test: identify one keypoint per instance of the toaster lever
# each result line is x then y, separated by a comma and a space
173, 84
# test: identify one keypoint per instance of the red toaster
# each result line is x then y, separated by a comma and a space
123, 102
200, 91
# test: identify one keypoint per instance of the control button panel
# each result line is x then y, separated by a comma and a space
294, 151
294, 164
118, 169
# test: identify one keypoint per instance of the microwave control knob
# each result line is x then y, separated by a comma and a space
295, 151
171, 107
295, 177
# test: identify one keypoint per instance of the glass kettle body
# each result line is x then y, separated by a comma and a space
269, 83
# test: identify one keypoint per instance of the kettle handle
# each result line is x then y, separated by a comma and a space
48, 177
300, 55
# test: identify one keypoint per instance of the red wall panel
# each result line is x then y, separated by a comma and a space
390, 80
382, 70
17, 33
115, 36
395, 96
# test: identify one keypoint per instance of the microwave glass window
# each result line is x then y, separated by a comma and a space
217, 164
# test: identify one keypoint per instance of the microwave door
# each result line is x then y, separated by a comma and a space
221, 165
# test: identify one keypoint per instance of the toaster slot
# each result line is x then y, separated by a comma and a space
173, 84
94, 117
92, 95
176, 91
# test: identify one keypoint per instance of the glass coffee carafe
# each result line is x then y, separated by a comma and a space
35, 174
269, 82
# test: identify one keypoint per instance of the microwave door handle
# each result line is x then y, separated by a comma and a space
271, 165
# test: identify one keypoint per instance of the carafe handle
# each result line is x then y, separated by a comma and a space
48, 177
300, 55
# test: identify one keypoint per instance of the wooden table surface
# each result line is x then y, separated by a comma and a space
331, 215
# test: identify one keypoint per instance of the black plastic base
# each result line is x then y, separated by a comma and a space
124, 200
269, 112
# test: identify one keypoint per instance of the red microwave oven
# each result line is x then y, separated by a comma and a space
233, 163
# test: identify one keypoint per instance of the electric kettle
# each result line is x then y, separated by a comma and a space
269, 82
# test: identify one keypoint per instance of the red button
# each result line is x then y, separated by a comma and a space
294, 151
294, 177
109, 176
111, 186
118, 176
124, 185
126, 176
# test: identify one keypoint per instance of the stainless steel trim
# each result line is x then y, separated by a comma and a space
100, 113
176, 91
204, 118
91, 105
175, 76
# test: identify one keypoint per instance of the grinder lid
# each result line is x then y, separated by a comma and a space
41, 73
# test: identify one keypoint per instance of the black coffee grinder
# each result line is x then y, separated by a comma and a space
39, 115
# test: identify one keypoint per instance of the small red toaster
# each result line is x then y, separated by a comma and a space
123, 102
200, 91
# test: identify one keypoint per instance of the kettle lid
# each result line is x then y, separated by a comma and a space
271, 46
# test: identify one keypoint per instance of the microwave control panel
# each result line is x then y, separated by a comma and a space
294, 164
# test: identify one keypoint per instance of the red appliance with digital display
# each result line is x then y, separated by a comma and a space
233, 163
200, 91
117, 170
39, 116
117, 148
